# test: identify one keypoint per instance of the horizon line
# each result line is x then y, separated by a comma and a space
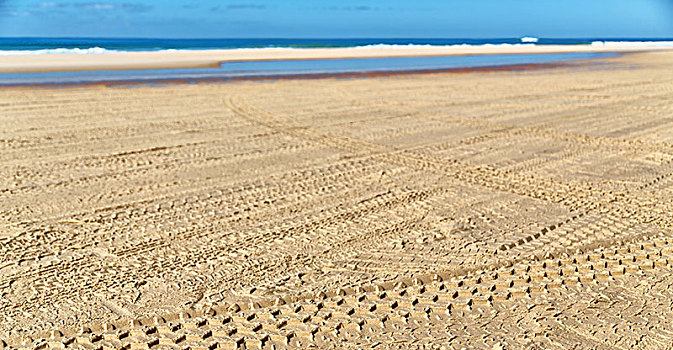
332, 38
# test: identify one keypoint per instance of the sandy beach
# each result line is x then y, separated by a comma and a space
494, 210
213, 58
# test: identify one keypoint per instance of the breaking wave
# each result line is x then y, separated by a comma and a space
632, 44
78, 51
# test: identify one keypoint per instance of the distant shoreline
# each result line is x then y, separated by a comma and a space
214, 58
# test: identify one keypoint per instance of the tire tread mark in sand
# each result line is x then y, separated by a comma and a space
296, 181
416, 302
480, 175
146, 246
173, 164
348, 144
483, 175
366, 206
297, 186
618, 212
490, 178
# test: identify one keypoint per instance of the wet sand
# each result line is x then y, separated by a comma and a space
492, 209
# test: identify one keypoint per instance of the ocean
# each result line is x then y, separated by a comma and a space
17, 46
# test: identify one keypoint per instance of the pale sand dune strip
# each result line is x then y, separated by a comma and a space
212, 58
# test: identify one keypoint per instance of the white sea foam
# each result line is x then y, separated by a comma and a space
632, 44
428, 46
100, 50
525, 42
78, 51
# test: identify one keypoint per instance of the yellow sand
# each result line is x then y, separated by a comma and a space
508, 210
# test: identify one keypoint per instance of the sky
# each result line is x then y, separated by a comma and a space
337, 18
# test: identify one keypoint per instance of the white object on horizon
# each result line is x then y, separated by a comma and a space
529, 39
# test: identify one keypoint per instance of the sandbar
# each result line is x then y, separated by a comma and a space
213, 58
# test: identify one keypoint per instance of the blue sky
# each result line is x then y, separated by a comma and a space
336, 19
